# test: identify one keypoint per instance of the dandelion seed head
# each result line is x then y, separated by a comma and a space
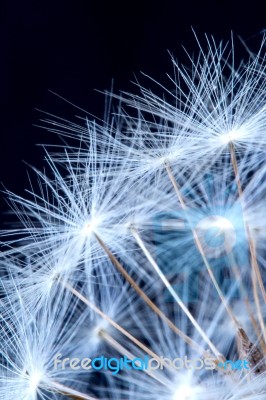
88, 228
53, 275
90, 339
145, 207
216, 221
34, 379
233, 135
186, 392
217, 232
158, 159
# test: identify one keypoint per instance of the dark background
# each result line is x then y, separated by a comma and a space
75, 47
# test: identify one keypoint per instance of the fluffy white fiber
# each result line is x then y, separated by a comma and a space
145, 237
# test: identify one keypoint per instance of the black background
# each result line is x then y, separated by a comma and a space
75, 47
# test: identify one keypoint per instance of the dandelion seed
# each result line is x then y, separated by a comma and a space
168, 200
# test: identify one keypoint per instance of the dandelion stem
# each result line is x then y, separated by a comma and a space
257, 302
200, 248
69, 392
246, 301
252, 247
175, 185
256, 275
172, 291
148, 301
121, 349
109, 320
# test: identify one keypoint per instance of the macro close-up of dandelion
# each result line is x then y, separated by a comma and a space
134, 265
145, 239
